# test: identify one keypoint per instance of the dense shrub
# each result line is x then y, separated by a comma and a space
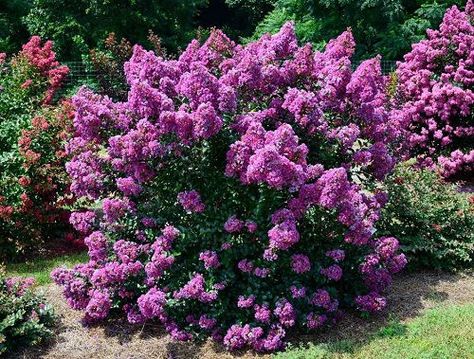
25, 317
235, 193
435, 95
32, 135
433, 221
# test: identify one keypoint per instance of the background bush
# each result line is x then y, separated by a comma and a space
435, 96
33, 182
432, 219
25, 317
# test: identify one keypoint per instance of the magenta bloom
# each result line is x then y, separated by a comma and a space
333, 272
300, 263
283, 235
191, 201
233, 224
210, 259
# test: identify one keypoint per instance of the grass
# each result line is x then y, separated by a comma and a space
445, 332
41, 268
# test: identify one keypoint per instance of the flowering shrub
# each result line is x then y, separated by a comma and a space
433, 221
32, 134
235, 193
435, 95
25, 317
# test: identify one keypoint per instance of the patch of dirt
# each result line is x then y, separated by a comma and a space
410, 295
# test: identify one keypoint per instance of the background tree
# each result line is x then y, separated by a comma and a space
238, 18
387, 27
13, 32
77, 26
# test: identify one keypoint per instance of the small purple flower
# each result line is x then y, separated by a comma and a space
82, 221
262, 313
314, 321
128, 186
245, 266
337, 255
210, 259
261, 272
191, 201
372, 302
206, 322
300, 263
333, 272
285, 312
152, 303
233, 224
251, 226
246, 302
297, 292
98, 306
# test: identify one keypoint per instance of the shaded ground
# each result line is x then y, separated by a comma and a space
410, 295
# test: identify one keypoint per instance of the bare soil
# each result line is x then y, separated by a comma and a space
410, 295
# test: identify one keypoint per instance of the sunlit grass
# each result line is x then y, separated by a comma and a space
440, 333
41, 268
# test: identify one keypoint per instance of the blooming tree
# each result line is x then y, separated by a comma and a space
235, 193
435, 95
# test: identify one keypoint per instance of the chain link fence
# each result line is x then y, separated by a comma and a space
80, 73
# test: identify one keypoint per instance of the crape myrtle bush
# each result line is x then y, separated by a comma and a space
435, 95
432, 219
25, 317
235, 193
32, 135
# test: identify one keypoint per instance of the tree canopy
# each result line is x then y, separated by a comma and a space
386, 27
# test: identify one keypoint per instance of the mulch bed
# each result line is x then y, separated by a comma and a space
411, 294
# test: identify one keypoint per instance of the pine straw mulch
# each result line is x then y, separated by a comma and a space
409, 296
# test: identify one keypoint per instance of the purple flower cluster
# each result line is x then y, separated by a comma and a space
274, 136
191, 201
300, 263
82, 221
435, 95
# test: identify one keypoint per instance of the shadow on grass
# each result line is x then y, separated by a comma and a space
409, 296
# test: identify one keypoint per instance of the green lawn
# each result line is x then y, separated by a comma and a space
41, 268
446, 332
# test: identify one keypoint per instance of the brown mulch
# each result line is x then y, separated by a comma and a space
410, 295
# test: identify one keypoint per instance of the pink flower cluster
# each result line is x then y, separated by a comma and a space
268, 139
435, 95
44, 59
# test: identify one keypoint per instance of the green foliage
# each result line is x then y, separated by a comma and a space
17, 105
379, 26
25, 317
92, 21
239, 18
12, 31
432, 220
